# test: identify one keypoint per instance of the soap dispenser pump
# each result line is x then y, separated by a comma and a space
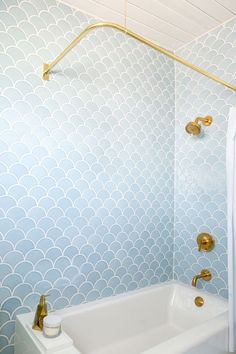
41, 312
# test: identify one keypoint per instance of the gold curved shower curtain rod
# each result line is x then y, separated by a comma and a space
48, 67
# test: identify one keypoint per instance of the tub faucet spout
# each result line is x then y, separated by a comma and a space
205, 275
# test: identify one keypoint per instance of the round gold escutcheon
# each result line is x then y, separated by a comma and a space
205, 242
199, 302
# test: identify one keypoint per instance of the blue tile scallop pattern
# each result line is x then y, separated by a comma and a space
200, 175
86, 165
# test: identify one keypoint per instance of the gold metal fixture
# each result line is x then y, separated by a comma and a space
205, 242
199, 301
205, 275
48, 67
194, 128
41, 312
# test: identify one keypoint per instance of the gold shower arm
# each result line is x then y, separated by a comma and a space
205, 120
48, 67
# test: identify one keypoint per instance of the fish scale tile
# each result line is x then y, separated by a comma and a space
200, 173
87, 199
86, 171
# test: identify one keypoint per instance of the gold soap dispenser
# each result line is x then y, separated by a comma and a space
41, 312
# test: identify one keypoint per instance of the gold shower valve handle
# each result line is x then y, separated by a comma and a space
205, 242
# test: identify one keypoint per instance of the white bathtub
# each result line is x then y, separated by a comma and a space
162, 319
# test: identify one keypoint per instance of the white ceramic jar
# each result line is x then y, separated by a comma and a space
51, 326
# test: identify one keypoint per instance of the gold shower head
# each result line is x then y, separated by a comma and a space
194, 128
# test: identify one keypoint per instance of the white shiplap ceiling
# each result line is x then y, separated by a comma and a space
170, 23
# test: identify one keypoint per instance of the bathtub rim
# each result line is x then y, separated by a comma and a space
117, 297
67, 311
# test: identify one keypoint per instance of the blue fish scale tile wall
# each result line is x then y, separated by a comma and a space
86, 163
87, 167
200, 173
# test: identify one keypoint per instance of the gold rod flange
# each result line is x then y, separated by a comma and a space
48, 67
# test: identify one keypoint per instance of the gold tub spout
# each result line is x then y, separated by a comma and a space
205, 275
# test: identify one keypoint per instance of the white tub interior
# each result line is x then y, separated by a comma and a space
135, 323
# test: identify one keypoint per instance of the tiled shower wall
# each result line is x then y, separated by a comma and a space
86, 162
200, 174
